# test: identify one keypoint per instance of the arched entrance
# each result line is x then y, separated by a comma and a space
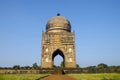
56, 53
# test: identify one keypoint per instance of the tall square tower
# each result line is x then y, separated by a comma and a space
58, 40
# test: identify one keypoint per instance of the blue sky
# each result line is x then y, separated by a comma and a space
96, 24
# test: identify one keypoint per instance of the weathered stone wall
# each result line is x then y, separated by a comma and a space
54, 70
18, 71
64, 42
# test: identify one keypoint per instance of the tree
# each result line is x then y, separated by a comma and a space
54, 66
77, 65
62, 64
16, 67
102, 65
102, 68
91, 69
27, 67
35, 66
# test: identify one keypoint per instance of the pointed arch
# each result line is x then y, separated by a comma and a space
58, 52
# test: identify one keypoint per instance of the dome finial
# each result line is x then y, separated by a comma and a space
58, 14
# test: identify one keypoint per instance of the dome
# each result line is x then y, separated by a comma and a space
58, 24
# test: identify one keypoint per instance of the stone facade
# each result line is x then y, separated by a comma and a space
19, 71
58, 40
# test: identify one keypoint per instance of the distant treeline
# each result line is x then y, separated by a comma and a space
34, 66
100, 68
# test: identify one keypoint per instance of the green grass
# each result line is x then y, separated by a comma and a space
20, 76
97, 76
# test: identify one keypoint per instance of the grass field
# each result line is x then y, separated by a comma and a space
105, 76
97, 76
20, 76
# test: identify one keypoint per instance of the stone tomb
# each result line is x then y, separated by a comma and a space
58, 40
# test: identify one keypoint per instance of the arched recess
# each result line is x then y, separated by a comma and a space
58, 52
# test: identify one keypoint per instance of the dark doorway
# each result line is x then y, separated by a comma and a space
58, 58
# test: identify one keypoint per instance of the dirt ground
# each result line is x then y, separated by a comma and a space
58, 77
